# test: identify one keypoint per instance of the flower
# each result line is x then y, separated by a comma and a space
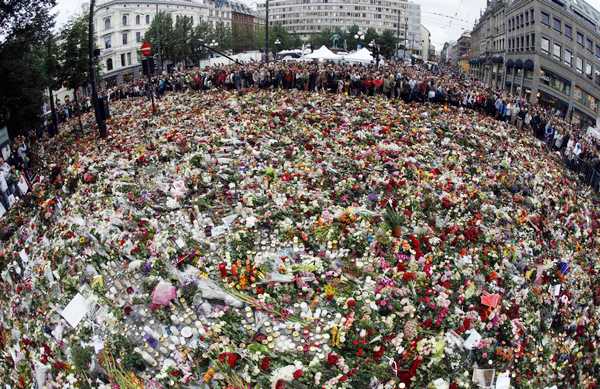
298, 373
332, 359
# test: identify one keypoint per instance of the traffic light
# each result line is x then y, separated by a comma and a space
148, 66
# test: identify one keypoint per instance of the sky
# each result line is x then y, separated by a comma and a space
445, 19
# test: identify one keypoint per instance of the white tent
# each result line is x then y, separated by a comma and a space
360, 56
323, 54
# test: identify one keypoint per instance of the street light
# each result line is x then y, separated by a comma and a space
359, 36
277, 44
213, 44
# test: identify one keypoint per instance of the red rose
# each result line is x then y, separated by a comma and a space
332, 359
174, 373
409, 276
265, 364
343, 378
280, 384
298, 373
351, 303
232, 359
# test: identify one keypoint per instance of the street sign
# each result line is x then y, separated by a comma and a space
146, 49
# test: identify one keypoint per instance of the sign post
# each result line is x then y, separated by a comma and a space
148, 69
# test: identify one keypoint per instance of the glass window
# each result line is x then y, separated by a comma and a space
579, 65
568, 57
124, 38
125, 19
589, 44
557, 24
588, 69
580, 38
122, 59
138, 37
545, 46
138, 19
568, 31
526, 17
532, 41
107, 23
557, 51
107, 42
147, 19
546, 18
128, 58
598, 51
109, 64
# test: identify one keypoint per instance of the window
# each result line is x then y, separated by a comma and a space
568, 58
109, 64
555, 81
568, 31
138, 19
557, 24
598, 51
124, 38
588, 69
147, 19
107, 23
546, 18
557, 51
532, 17
107, 42
545, 46
579, 65
128, 58
138, 37
124, 19
532, 41
589, 44
526, 17
192, 20
122, 59
580, 38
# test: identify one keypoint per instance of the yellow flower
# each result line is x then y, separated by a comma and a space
329, 291
208, 376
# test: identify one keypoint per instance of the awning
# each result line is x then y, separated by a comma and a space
528, 64
510, 63
519, 64
498, 60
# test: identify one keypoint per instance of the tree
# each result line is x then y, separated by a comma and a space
160, 35
182, 39
51, 73
242, 37
322, 38
370, 36
388, 42
21, 84
201, 34
74, 49
24, 26
21, 16
351, 41
222, 35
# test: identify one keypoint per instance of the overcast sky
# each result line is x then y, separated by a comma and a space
442, 28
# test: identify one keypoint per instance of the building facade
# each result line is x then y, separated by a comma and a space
120, 26
552, 56
426, 39
307, 17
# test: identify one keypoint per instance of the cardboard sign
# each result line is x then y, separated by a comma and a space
76, 310
22, 184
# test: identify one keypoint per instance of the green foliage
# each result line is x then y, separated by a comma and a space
183, 32
393, 219
160, 35
81, 357
74, 53
388, 42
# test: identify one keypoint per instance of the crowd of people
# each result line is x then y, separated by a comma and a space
417, 84
14, 173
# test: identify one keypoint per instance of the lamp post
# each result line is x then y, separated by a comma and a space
267, 31
99, 111
359, 36
277, 44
